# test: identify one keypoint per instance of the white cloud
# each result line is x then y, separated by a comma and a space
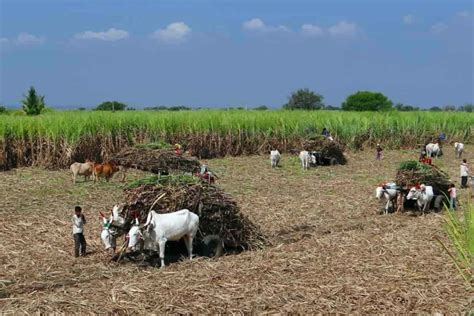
312, 30
111, 35
253, 25
4, 40
29, 39
176, 32
343, 28
280, 28
408, 19
439, 28
257, 25
464, 14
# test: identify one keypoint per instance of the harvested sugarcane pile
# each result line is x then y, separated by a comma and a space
412, 172
218, 212
155, 160
327, 147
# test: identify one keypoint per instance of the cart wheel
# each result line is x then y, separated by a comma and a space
212, 246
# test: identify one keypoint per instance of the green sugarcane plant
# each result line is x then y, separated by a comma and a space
460, 231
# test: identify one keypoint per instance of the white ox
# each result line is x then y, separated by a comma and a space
388, 192
163, 227
274, 158
433, 150
109, 235
423, 196
305, 159
81, 169
458, 149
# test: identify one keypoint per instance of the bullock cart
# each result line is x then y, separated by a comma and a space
413, 173
326, 152
219, 215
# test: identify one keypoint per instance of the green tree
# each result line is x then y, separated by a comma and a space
33, 104
449, 108
156, 108
261, 108
304, 99
466, 108
179, 108
111, 106
405, 108
3, 110
332, 108
435, 109
367, 101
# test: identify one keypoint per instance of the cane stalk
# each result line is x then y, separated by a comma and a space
460, 231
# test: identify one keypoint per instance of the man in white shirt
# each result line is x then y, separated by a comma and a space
464, 173
78, 221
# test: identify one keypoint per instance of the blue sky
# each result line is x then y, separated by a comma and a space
235, 53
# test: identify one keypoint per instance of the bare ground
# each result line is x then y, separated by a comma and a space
330, 250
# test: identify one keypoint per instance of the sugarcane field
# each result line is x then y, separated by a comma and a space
236, 157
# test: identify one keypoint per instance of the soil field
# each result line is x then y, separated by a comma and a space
330, 250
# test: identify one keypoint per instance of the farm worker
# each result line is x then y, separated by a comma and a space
400, 200
422, 156
206, 174
177, 149
326, 133
428, 161
78, 222
464, 173
441, 138
424, 159
378, 150
452, 197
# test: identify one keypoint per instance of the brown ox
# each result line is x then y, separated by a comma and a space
81, 169
105, 170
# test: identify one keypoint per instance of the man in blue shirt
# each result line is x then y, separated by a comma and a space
326, 133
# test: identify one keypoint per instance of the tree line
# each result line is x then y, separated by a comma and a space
304, 99
301, 99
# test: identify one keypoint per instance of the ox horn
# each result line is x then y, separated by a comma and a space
159, 198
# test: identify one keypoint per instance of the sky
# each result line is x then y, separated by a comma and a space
222, 53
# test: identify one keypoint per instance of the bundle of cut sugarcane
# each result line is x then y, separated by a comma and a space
411, 173
218, 212
327, 147
155, 160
